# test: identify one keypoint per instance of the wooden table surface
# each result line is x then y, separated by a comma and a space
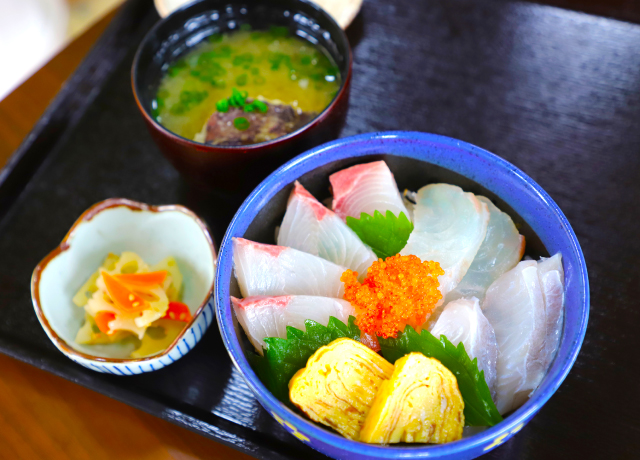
46, 417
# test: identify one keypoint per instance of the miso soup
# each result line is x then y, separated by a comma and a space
245, 87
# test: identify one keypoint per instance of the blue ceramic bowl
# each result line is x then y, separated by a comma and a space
415, 159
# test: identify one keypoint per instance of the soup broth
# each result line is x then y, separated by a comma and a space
269, 65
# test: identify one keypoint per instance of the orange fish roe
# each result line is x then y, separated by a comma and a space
397, 291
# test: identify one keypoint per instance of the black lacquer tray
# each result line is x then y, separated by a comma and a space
555, 92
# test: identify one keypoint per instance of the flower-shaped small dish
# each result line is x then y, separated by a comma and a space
113, 226
414, 159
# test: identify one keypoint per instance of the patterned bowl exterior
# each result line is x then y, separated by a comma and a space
498, 176
189, 340
203, 316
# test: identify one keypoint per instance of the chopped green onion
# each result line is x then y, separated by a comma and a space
209, 68
222, 105
242, 80
245, 27
260, 106
178, 109
237, 99
215, 38
188, 99
241, 59
223, 51
205, 59
241, 123
173, 71
278, 58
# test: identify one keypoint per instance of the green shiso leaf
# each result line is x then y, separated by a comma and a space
386, 234
284, 357
479, 409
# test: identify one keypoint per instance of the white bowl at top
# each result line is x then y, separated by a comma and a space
116, 225
343, 11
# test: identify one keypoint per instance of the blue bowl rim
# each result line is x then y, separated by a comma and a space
295, 168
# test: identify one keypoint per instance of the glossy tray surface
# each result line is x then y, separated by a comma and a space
553, 91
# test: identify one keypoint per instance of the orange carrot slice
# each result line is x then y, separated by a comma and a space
142, 279
102, 319
178, 311
124, 299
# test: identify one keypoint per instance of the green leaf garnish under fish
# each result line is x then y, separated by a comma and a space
385, 234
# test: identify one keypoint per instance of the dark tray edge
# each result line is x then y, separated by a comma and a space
76, 95
58, 120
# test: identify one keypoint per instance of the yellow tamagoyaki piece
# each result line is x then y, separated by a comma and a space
421, 402
338, 385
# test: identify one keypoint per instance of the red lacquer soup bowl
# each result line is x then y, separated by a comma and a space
238, 168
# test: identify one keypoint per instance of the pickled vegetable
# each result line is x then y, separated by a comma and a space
127, 300
159, 336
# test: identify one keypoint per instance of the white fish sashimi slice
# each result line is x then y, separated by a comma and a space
501, 250
554, 263
551, 276
265, 269
526, 308
366, 188
449, 227
463, 321
310, 227
514, 305
264, 316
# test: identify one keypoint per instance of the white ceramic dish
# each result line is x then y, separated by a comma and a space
343, 11
117, 225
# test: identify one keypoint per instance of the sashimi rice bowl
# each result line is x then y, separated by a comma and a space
401, 291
